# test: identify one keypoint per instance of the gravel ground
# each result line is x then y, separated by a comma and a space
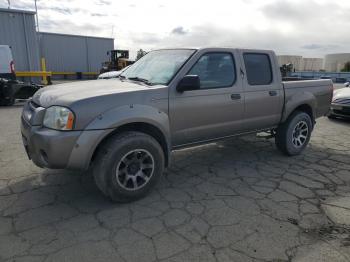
237, 200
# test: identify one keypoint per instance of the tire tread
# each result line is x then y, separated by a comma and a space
102, 158
281, 134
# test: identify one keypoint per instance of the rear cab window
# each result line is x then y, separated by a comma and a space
258, 68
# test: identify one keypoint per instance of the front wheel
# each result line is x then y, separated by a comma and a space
293, 135
128, 166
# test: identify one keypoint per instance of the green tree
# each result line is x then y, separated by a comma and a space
140, 54
346, 67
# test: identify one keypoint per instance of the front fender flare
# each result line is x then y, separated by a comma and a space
109, 121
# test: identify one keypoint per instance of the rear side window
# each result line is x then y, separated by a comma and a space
215, 70
258, 67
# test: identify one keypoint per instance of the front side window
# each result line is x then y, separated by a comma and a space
215, 70
158, 67
258, 67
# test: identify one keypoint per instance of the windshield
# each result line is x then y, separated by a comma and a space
158, 67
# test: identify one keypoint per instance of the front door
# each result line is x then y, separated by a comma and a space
216, 109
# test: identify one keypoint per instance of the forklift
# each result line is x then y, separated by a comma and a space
118, 59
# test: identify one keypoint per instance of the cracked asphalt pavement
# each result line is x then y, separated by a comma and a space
235, 200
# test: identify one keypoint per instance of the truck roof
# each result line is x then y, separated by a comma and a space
214, 47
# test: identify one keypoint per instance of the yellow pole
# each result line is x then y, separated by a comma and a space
43, 68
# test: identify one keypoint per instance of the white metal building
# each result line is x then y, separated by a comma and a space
336, 62
73, 53
312, 64
17, 29
297, 61
301, 63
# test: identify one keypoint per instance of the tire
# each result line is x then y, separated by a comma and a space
7, 102
291, 137
124, 159
7, 97
331, 117
10, 101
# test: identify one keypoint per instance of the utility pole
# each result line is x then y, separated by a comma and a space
36, 15
8, 1
42, 59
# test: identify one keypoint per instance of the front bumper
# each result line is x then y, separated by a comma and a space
340, 110
46, 147
57, 149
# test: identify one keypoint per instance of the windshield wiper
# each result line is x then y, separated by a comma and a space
140, 79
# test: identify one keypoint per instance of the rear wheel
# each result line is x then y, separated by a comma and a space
293, 135
7, 102
128, 166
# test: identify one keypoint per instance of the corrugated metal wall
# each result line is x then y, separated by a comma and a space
72, 53
17, 29
63, 53
97, 51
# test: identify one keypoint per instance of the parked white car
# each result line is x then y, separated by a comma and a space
108, 75
340, 104
112, 74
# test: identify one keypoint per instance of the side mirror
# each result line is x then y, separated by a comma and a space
189, 82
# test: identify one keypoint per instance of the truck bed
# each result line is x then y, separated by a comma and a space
316, 90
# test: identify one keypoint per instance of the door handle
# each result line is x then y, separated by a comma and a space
273, 93
235, 96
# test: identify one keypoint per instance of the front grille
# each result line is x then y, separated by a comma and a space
25, 123
33, 105
343, 101
342, 112
33, 113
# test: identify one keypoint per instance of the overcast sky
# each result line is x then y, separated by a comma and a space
310, 28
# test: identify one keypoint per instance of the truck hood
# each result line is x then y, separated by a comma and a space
66, 94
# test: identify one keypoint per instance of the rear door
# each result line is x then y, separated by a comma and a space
216, 109
263, 90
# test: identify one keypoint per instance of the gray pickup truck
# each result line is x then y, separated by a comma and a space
125, 129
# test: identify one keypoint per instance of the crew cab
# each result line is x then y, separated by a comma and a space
124, 129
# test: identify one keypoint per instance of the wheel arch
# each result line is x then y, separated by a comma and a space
306, 108
305, 102
142, 127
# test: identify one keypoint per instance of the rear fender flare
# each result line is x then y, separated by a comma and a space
299, 99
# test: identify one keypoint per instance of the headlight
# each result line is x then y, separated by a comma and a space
58, 117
